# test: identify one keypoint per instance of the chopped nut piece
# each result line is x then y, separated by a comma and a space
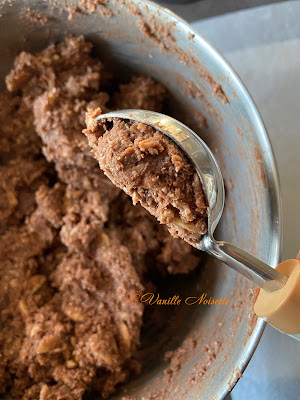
12, 199
169, 214
151, 145
189, 226
23, 307
35, 330
36, 282
48, 343
74, 315
105, 239
125, 334
71, 364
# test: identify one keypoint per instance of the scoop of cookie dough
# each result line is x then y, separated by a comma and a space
153, 170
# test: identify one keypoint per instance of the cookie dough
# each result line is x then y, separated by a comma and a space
153, 170
72, 246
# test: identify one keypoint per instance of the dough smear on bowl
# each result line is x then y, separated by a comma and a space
153, 170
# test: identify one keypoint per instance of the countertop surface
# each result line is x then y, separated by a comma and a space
263, 46
194, 10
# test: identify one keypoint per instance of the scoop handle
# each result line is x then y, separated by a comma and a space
281, 308
278, 302
250, 267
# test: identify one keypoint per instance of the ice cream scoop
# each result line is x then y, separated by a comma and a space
279, 298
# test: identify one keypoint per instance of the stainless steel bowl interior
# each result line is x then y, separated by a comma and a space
189, 66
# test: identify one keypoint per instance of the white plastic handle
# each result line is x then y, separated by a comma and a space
281, 307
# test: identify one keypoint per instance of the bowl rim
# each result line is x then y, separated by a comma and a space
271, 170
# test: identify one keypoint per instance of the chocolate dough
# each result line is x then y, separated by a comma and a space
72, 246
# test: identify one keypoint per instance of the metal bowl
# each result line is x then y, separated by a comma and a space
147, 39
